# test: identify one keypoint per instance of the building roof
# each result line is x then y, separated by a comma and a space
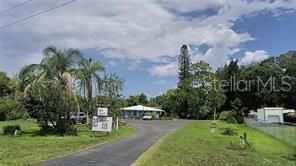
141, 108
278, 109
273, 108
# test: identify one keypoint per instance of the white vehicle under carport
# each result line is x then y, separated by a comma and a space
147, 117
78, 117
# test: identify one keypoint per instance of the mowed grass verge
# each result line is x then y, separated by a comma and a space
195, 145
30, 148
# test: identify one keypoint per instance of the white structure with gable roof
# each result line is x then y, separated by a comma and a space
272, 114
139, 111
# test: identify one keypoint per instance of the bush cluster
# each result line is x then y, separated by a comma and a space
62, 128
238, 145
10, 129
12, 109
231, 117
229, 130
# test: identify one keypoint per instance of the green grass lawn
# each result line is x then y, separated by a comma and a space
195, 145
286, 133
30, 148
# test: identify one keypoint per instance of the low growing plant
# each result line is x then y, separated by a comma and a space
229, 130
9, 130
292, 156
231, 116
238, 146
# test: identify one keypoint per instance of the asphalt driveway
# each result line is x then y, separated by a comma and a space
122, 152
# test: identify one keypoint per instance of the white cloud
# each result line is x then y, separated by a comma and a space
165, 70
131, 29
160, 82
253, 57
112, 63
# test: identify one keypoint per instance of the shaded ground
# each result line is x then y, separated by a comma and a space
124, 151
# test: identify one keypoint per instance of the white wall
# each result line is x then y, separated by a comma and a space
269, 115
261, 115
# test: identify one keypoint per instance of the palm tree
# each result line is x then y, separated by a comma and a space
87, 74
57, 66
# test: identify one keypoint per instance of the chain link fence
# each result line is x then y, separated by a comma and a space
282, 131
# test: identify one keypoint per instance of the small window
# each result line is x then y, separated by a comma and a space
81, 114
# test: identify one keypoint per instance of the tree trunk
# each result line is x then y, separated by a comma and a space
89, 98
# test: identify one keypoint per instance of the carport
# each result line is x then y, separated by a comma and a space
139, 111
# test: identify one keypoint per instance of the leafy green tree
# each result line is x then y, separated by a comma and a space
287, 63
230, 73
202, 76
156, 101
54, 107
12, 109
169, 103
132, 100
216, 99
109, 91
5, 88
196, 96
142, 99
263, 90
207, 95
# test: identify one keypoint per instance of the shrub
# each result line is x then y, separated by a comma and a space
291, 156
231, 120
213, 124
2, 116
231, 116
9, 130
229, 130
12, 109
238, 146
121, 123
224, 115
62, 128
46, 130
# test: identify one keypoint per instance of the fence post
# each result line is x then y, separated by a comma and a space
274, 132
283, 132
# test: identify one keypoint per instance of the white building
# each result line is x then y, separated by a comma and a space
139, 111
272, 114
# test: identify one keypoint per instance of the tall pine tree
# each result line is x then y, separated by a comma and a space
184, 62
184, 72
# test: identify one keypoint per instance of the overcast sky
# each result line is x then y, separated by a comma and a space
140, 39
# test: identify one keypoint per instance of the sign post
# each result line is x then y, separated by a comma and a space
102, 122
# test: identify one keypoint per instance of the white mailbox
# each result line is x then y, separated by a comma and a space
102, 111
103, 124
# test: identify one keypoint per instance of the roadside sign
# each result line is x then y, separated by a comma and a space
103, 124
102, 111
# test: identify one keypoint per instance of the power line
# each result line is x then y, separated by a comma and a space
37, 14
21, 4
